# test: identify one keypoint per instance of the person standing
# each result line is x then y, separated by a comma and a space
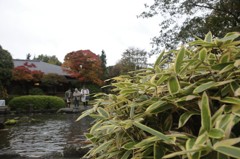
85, 96
68, 95
76, 97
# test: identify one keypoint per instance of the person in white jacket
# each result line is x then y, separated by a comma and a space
85, 96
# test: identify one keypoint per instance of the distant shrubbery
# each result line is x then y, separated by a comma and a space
36, 102
36, 91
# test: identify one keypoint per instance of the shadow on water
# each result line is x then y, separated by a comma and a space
47, 137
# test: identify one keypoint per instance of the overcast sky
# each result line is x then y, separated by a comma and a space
57, 27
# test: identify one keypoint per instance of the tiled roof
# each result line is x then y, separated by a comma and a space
42, 66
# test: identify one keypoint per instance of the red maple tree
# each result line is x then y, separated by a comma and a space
83, 65
23, 73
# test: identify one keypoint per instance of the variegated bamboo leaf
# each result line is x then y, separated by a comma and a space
184, 118
179, 59
203, 54
103, 112
126, 155
226, 69
205, 112
208, 37
173, 85
231, 151
204, 87
159, 59
227, 142
237, 63
216, 133
155, 105
231, 100
225, 58
153, 132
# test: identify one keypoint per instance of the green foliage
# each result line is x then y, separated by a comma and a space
198, 17
36, 91
190, 109
36, 102
6, 66
48, 59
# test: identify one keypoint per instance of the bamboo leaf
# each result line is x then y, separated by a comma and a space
225, 58
85, 113
147, 141
216, 133
237, 63
126, 155
128, 91
152, 131
184, 118
201, 140
204, 87
179, 153
173, 85
190, 143
231, 151
101, 147
155, 105
159, 59
179, 59
231, 100
230, 36
208, 37
227, 142
129, 145
227, 68
103, 112
205, 112
203, 54
162, 79
237, 92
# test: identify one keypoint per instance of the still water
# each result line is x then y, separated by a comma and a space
47, 137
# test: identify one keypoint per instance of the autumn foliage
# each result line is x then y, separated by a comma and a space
84, 65
24, 73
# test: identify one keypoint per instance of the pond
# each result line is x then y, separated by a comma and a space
46, 137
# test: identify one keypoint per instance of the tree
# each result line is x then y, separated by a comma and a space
52, 81
132, 59
84, 65
48, 59
28, 56
104, 65
6, 66
199, 17
25, 77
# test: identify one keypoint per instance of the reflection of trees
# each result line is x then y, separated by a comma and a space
4, 139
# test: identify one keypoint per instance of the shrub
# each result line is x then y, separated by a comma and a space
36, 91
36, 102
189, 109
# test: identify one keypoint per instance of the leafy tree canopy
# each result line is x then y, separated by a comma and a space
6, 66
84, 65
132, 59
104, 64
199, 17
48, 59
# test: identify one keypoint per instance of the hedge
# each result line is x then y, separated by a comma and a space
36, 102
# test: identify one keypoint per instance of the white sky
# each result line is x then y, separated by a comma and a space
57, 27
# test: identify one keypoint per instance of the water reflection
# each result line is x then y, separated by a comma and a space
49, 136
